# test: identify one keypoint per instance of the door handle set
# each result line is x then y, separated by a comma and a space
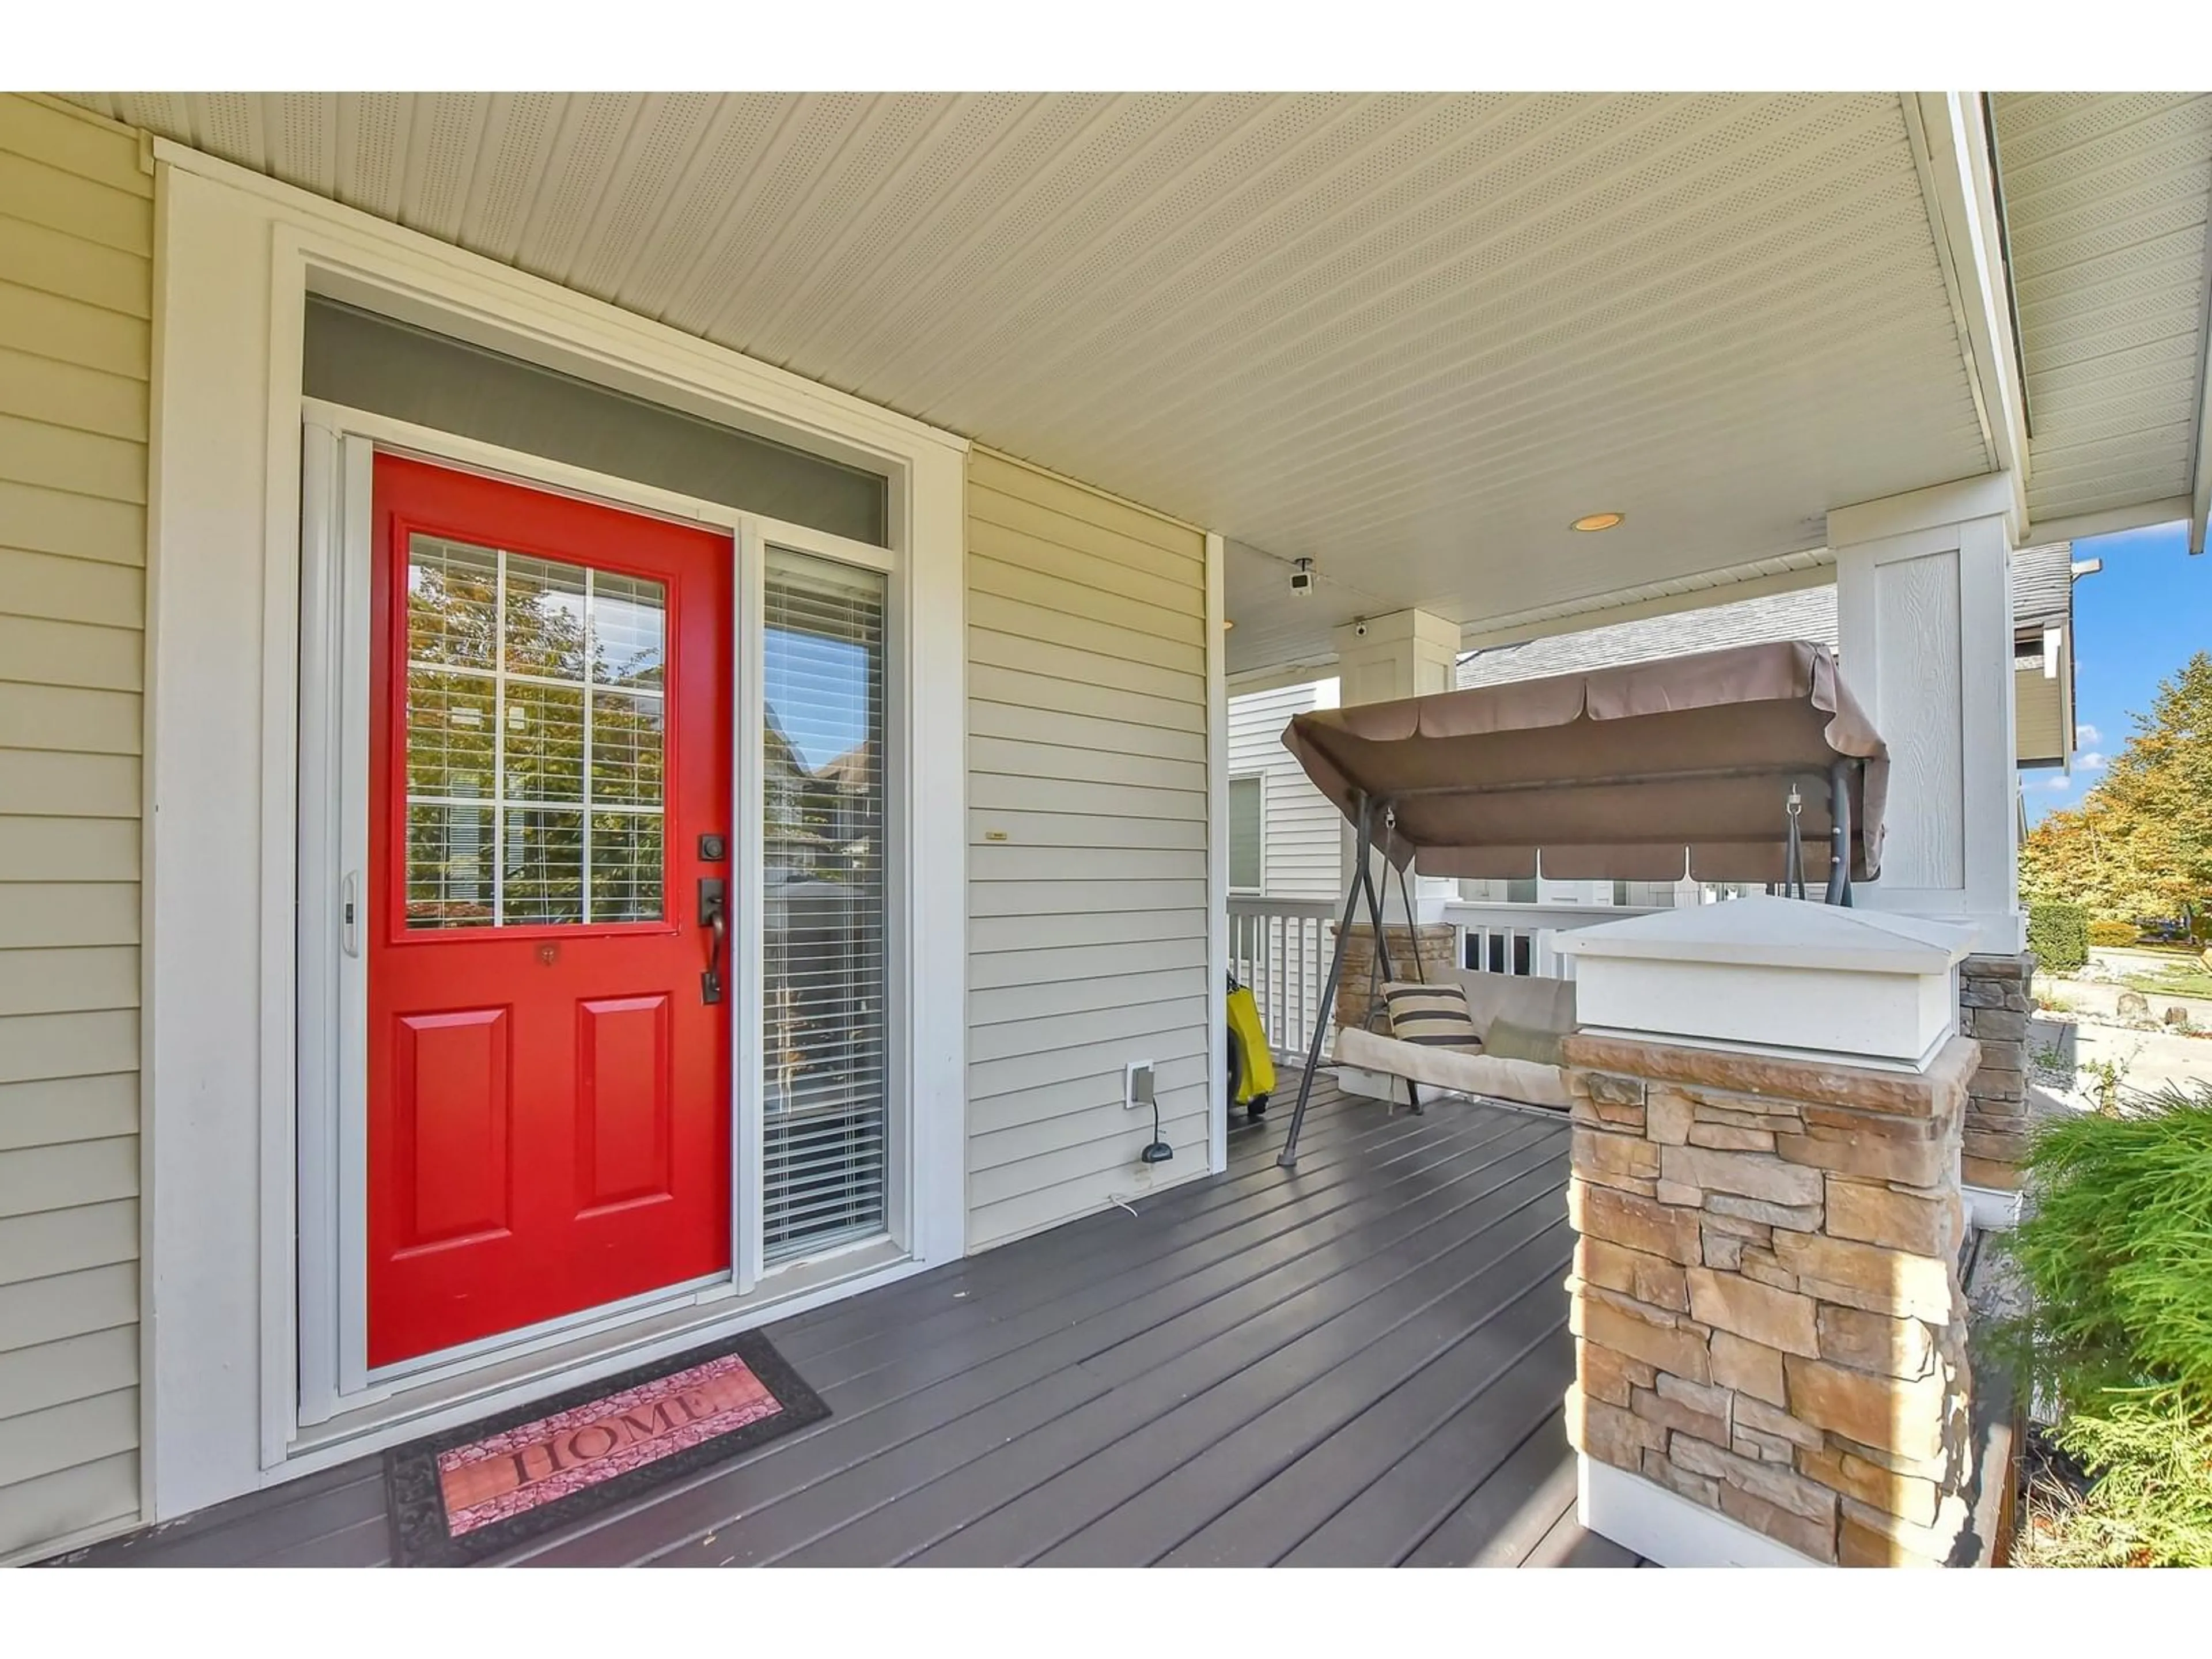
714, 917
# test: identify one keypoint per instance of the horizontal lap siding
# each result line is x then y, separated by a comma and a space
2038, 715
1087, 846
76, 304
1299, 849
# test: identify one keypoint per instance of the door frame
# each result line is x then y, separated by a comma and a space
223, 1035
338, 448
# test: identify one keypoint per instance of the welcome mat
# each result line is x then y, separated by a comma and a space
471, 1492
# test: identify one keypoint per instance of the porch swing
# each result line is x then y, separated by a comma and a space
1730, 760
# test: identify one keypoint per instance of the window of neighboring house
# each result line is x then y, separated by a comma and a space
1494, 890
1247, 833
1648, 895
1715, 892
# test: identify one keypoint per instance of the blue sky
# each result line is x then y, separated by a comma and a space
2135, 622
818, 689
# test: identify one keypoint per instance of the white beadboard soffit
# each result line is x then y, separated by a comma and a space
2105, 198
1407, 336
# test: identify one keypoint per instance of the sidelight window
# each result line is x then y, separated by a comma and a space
827, 1121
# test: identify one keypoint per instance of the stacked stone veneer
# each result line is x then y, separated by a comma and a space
1439, 940
1994, 1008
1766, 1300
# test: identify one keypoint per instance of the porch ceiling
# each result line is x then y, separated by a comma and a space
1410, 337
2106, 196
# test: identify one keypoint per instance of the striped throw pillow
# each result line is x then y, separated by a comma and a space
1435, 1015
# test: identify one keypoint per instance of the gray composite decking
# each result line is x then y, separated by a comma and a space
1360, 1363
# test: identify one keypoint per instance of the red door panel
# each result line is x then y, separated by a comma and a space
452, 1112
623, 1125
550, 740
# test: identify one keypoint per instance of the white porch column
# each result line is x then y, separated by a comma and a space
1408, 653
1923, 592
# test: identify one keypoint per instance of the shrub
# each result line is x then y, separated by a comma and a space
2059, 936
2112, 932
2117, 1254
2151, 1505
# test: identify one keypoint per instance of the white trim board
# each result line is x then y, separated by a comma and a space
1666, 1528
1217, 849
1950, 151
222, 854
1991, 1209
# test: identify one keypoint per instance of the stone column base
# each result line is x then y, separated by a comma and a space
1438, 941
1994, 1007
1769, 1320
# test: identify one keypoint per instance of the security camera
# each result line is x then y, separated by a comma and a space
1303, 579
1359, 630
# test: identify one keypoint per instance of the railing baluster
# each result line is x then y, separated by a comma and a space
1276, 950
1522, 940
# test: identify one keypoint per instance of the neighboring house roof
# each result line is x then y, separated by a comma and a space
1807, 614
854, 769
2042, 583
2041, 592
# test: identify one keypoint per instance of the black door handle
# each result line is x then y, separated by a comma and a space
714, 917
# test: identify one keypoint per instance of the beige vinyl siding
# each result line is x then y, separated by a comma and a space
76, 298
1300, 845
2039, 716
1087, 845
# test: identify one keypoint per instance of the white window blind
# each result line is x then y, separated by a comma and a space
1247, 799
827, 1116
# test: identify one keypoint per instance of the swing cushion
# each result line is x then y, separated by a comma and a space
1541, 1005
1434, 1015
1509, 1039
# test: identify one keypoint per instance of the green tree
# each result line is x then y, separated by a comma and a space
2140, 841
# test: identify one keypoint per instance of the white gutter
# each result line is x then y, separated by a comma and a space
2200, 494
1958, 181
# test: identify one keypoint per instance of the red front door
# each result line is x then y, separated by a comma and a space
549, 789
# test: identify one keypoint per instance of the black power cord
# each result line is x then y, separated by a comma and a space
1159, 1152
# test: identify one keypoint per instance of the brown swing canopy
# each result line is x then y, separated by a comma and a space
1612, 773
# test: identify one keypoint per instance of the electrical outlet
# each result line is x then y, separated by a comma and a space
1138, 1088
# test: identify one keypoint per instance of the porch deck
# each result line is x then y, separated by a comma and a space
1357, 1364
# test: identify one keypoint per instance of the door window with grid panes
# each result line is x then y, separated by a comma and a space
536, 740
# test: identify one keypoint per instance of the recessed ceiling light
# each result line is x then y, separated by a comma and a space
1597, 521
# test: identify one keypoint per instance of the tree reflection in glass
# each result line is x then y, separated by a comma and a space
536, 740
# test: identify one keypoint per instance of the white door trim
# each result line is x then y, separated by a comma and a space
1217, 855
223, 853
338, 448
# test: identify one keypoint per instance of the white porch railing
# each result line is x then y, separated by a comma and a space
1517, 939
1280, 949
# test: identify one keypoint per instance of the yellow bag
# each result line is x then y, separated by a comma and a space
1251, 1062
